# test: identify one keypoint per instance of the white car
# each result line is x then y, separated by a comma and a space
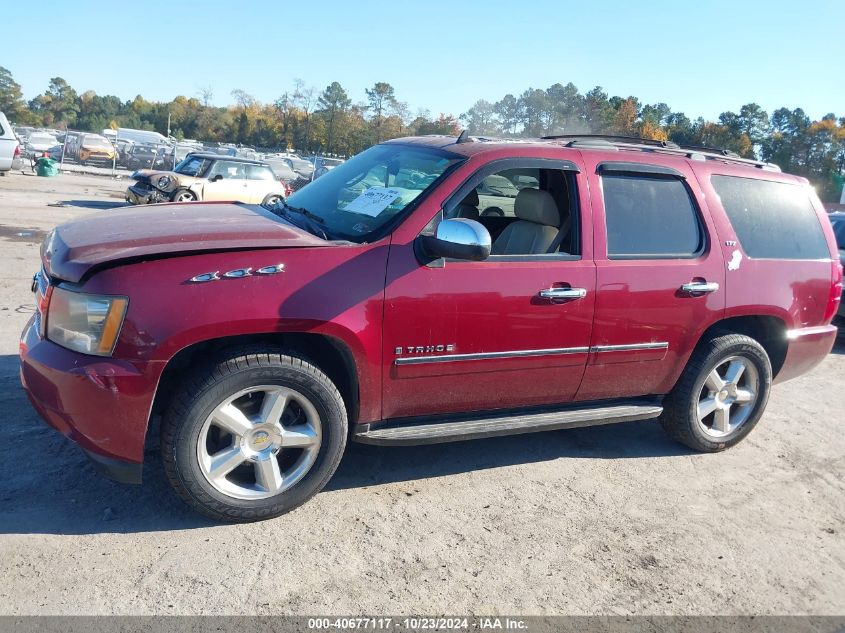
10, 149
40, 142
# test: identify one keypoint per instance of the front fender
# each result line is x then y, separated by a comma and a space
336, 292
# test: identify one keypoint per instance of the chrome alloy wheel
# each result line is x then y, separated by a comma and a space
259, 442
728, 396
185, 196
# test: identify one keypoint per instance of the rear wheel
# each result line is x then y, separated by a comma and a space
183, 195
721, 394
253, 436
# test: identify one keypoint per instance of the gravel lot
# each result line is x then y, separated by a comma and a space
608, 520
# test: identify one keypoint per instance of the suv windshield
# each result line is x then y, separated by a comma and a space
359, 197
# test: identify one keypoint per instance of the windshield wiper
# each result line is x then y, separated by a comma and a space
306, 213
313, 221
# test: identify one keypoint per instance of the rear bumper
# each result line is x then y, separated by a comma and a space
102, 404
807, 347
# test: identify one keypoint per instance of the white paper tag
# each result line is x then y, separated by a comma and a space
373, 201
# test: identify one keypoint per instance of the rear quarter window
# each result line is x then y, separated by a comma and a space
773, 220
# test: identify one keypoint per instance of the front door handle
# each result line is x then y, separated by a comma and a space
699, 287
563, 294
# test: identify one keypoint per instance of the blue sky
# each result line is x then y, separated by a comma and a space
701, 57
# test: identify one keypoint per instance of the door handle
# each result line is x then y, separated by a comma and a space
700, 287
563, 294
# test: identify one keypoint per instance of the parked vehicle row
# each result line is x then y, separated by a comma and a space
143, 149
623, 281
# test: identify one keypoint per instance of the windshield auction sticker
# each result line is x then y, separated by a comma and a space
373, 201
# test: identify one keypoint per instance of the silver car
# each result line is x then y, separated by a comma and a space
301, 166
281, 169
38, 143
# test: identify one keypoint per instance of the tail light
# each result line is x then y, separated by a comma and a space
17, 151
288, 189
835, 291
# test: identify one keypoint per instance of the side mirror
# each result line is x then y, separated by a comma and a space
216, 177
458, 238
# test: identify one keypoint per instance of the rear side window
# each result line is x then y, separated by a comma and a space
259, 172
773, 220
227, 169
650, 217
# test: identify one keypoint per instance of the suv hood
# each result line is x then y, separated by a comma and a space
74, 249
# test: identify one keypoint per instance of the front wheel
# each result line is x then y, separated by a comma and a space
271, 200
721, 394
183, 195
253, 436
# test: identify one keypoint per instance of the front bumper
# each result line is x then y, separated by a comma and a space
102, 404
96, 157
136, 194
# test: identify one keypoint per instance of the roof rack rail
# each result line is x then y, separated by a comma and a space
711, 150
613, 138
669, 147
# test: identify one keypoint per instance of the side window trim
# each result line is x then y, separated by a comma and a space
637, 169
704, 237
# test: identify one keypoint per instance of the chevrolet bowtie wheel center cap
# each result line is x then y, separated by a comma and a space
259, 440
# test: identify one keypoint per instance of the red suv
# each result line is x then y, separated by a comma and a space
429, 290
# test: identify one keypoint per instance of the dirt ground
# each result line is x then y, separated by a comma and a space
610, 520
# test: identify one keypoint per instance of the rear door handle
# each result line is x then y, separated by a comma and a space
563, 294
699, 287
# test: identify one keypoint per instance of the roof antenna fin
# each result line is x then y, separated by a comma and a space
463, 138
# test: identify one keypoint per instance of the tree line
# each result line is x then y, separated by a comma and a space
331, 121
304, 118
787, 137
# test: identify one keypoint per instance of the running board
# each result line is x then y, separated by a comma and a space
433, 431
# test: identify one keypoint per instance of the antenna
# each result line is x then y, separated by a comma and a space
463, 138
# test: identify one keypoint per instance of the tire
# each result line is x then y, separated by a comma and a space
699, 392
183, 195
271, 199
239, 495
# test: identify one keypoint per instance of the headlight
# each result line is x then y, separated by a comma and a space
164, 182
85, 323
